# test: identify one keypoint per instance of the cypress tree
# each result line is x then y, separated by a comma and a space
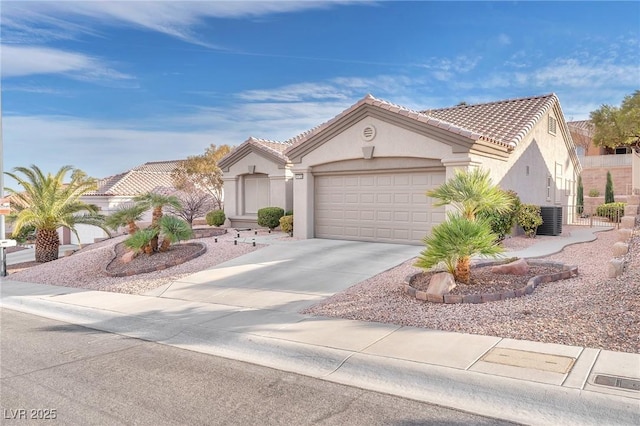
608, 191
580, 196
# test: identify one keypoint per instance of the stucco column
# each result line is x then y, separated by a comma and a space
230, 188
303, 203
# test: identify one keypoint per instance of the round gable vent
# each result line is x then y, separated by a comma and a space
368, 133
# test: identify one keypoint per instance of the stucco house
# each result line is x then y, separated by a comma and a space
363, 174
120, 189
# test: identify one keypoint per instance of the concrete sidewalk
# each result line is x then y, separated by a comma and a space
521, 381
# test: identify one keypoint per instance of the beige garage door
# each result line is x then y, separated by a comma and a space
385, 207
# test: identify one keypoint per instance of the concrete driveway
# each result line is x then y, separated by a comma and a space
289, 276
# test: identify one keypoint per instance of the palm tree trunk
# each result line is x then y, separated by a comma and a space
47, 244
132, 228
463, 270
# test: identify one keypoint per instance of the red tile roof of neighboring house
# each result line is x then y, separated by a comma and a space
506, 121
148, 177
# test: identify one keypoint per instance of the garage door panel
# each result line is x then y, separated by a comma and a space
387, 207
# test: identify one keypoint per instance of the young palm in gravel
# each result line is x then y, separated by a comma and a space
126, 216
454, 242
156, 202
47, 203
472, 192
173, 229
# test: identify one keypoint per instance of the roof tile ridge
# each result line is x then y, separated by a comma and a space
501, 101
552, 99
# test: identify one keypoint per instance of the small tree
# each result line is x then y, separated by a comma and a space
192, 205
608, 190
156, 202
618, 126
580, 197
139, 241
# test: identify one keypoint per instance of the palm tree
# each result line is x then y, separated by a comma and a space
173, 229
126, 215
454, 242
471, 192
156, 202
47, 203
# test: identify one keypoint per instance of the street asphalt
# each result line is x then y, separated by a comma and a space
246, 309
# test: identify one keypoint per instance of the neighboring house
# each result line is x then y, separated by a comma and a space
363, 174
118, 190
622, 162
256, 174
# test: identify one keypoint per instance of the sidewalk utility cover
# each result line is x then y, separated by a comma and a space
526, 359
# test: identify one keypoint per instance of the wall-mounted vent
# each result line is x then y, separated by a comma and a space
552, 125
368, 133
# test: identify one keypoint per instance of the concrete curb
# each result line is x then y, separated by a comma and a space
485, 394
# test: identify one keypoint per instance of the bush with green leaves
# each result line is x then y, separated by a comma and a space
502, 223
286, 224
529, 217
455, 241
594, 192
269, 217
215, 218
27, 232
612, 211
288, 213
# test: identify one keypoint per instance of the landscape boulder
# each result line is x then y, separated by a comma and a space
620, 249
518, 267
615, 268
624, 234
441, 283
128, 256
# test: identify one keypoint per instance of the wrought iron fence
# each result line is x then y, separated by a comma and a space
590, 216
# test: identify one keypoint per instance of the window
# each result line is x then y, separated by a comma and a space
552, 125
549, 181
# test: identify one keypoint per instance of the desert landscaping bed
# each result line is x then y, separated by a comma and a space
588, 310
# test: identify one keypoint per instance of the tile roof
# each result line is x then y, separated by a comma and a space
583, 127
506, 121
148, 177
273, 149
473, 133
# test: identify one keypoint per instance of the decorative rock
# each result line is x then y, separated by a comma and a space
441, 283
624, 234
628, 222
128, 256
620, 249
615, 268
519, 267
227, 223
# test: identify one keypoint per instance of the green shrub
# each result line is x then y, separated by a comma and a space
173, 230
215, 218
608, 190
270, 216
529, 217
288, 213
612, 211
286, 224
594, 193
502, 223
27, 232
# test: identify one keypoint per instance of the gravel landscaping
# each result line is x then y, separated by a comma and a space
589, 310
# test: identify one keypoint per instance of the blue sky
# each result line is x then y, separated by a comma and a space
106, 86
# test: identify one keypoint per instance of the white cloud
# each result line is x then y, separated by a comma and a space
19, 61
173, 18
